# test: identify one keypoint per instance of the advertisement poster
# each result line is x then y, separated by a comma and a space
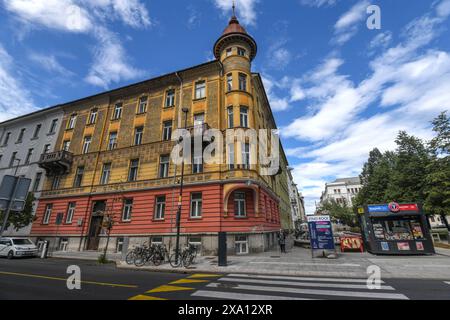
321, 233
403, 246
385, 246
419, 246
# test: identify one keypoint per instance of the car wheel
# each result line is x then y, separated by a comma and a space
10, 255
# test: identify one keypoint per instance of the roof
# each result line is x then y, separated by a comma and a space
106, 92
234, 27
352, 180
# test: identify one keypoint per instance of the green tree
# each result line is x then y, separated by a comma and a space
341, 212
407, 181
437, 188
21, 219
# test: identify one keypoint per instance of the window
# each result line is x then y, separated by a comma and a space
196, 205
199, 120
170, 98
117, 114
197, 163
134, 166
229, 82
241, 52
36, 131
160, 207
157, 240
164, 166
71, 122
167, 130
63, 243
127, 208
200, 90
70, 212
229, 51
246, 156
78, 177
119, 245
106, 172
93, 116
239, 204
5, 142
55, 182
46, 148
230, 117
47, 214
244, 117
241, 244
142, 108
20, 138
13, 159
37, 181
242, 82
86, 144
53, 126
29, 155
66, 145
112, 144
231, 156
138, 132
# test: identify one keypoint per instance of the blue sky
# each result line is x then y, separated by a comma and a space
337, 88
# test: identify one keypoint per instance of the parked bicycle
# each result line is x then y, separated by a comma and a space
133, 253
186, 257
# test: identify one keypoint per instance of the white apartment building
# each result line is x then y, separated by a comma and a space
22, 142
342, 190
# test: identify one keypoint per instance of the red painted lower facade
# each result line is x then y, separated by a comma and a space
262, 215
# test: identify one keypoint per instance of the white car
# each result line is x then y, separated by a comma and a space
17, 247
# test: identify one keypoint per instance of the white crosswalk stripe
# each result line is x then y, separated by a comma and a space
258, 276
303, 284
447, 282
265, 287
240, 296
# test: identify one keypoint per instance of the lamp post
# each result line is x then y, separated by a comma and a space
178, 221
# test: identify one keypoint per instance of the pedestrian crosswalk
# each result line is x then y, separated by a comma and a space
277, 287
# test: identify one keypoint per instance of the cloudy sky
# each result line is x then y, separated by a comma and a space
337, 88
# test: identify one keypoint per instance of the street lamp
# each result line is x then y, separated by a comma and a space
178, 221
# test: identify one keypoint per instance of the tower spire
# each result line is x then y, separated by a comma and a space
234, 9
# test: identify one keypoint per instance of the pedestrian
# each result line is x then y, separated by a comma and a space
282, 242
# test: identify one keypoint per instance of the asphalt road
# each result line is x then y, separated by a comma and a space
46, 279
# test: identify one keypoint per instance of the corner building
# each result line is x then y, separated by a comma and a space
113, 158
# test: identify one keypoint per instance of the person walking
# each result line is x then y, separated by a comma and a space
282, 242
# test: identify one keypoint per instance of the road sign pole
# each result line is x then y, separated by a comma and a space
10, 204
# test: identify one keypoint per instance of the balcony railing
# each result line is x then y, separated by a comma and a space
198, 129
56, 163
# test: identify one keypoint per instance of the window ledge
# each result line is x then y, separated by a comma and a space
199, 99
158, 220
168, 107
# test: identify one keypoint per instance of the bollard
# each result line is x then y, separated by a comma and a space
44, 250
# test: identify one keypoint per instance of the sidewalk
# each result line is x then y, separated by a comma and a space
298, 262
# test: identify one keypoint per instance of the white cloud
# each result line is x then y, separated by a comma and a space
245, 9
347, 25
443, 8
110, 61
49, 63
15, 99
64, 15
382, 40
318, 3
88, 17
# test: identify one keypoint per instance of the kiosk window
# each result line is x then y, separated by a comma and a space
397, 229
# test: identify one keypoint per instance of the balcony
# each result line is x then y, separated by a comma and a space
56, 163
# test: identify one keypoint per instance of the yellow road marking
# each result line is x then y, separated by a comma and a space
183, 281
142, 297
64, 279
166, 288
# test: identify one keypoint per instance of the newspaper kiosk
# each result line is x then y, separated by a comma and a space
395, 229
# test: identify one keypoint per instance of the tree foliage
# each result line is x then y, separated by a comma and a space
21, 219
416, 171
341, 212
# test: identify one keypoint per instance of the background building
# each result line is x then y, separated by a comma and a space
342, 190
22, 141
112, 158
298, 214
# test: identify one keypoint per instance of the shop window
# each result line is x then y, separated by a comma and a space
119, 245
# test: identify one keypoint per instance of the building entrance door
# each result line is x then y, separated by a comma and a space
96, 225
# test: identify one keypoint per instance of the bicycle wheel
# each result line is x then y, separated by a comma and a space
140, 260
129, 259
157, 259
188, 259
172, 259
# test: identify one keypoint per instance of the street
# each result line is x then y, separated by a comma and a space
27, 279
